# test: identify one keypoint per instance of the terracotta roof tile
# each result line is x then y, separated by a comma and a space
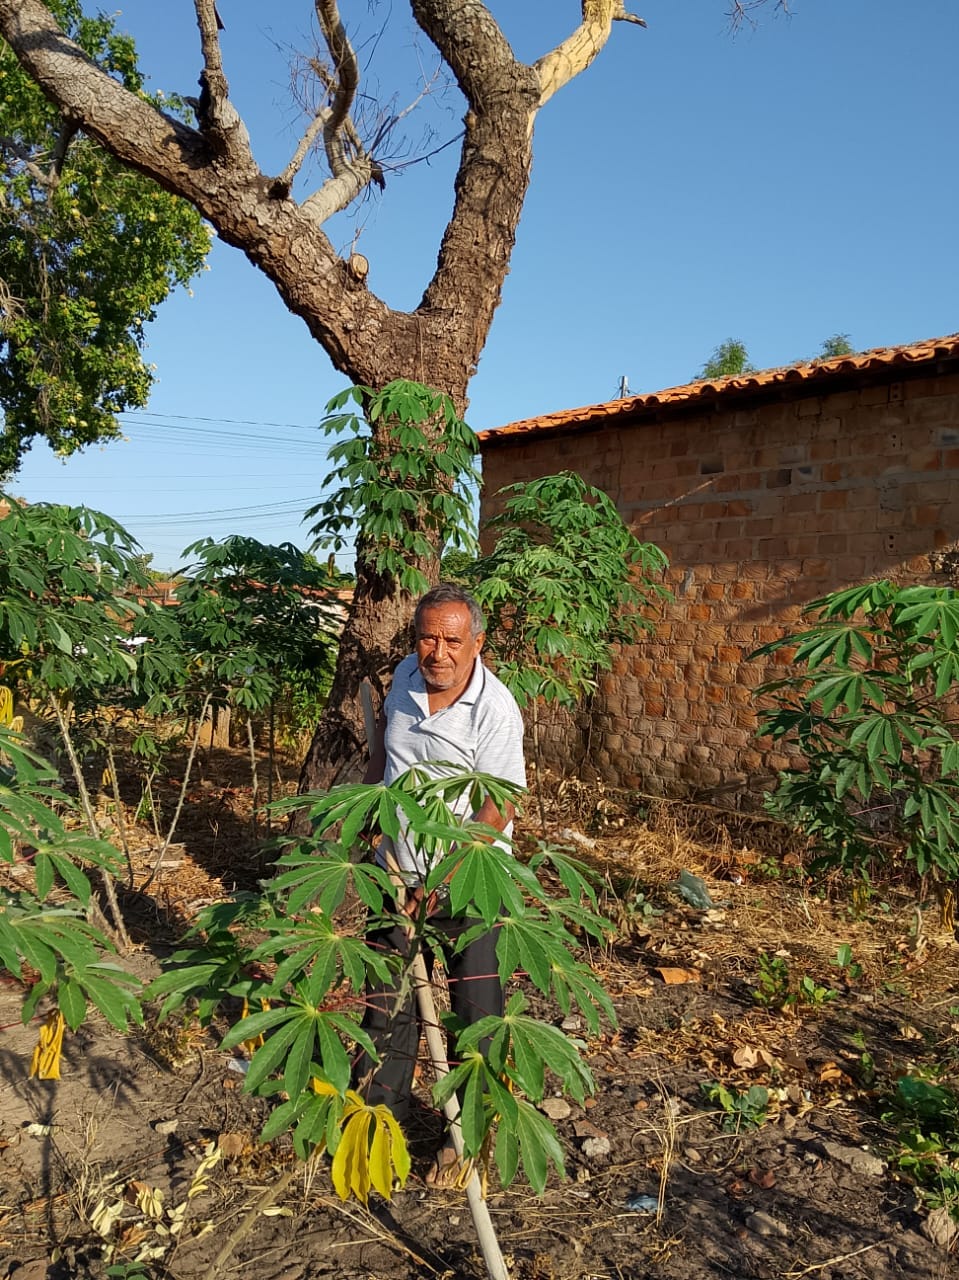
914, 353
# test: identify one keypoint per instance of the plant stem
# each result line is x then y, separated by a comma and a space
182, 797
254, 779
88, 812
121, 820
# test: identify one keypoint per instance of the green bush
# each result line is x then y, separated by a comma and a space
873, 715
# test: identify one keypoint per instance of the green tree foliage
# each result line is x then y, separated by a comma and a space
837, 344
88, 251
565, 582
729, 360
872, 716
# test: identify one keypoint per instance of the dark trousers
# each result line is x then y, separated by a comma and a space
475, 993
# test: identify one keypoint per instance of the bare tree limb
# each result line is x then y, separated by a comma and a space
578, 50
346, 79
218, 118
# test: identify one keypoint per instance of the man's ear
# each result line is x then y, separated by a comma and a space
480, 641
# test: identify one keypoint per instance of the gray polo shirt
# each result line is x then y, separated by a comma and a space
481, 731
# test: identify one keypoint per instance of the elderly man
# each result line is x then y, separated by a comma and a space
444, 706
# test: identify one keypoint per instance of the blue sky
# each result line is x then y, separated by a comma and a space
780, 185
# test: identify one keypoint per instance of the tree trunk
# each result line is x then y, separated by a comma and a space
213, 167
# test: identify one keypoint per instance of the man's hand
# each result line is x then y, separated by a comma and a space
413, 903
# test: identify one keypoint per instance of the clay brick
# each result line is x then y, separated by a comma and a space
832, 544
714, 591
743, 590
833, 499
699, 612
822, 450
739, 549
927, 515
729, 653
800, 503
924, 460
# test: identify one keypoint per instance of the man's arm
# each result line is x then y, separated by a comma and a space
492, 817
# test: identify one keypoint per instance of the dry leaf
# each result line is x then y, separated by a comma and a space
748, 1056
764, 1178
232, 1145
677, 977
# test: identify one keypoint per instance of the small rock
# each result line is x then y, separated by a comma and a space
940, 1228
572, 1023
764, 1224
597, 1148
165, 1127
692, 1155
555, 1108
856, 1159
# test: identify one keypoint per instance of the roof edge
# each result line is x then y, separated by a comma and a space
911, 357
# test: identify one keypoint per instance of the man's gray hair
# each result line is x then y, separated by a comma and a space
451, 593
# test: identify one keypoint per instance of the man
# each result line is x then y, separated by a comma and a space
443, 706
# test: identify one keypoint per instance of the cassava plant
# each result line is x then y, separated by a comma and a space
68, 576
45, 932
565, 582
872, 712
304, 978
403, 477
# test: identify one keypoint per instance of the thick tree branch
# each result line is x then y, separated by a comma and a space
471, 43
577, 51
278, 236
219, 120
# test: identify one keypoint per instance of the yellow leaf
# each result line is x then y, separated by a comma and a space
255, 1042
381, 1170
400, 1151
350, 1164
45, 1063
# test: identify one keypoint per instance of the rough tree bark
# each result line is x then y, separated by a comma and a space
212, 166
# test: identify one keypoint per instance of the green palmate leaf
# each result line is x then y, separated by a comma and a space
526, 942
269, 1057
577, 878
538, 1147
576, 983
323, 880
484, 883
72, 1002
114, 992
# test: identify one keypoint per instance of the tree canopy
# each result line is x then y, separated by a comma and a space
88, 251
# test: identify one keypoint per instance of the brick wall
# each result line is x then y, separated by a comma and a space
762, 504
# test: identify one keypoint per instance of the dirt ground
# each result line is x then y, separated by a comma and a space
147, 1147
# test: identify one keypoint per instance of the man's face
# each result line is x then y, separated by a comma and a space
445, 650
